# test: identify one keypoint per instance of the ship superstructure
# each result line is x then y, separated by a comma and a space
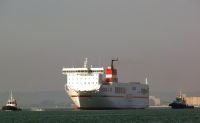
97, 88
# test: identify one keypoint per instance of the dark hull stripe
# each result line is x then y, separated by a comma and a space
10, 108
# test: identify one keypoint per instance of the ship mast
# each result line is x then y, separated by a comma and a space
146, 81
180, 94
11, 95
85, 63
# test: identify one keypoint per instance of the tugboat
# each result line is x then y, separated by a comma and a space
180, 103
11, 104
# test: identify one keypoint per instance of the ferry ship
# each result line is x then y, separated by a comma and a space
98, 88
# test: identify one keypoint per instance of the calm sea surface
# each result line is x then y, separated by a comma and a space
103, 116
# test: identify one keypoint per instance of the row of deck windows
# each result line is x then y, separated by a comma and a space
82, 82
106, 89
82, 78
84, 71
120, 90
11, 102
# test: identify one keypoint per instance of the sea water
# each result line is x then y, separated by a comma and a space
103, 116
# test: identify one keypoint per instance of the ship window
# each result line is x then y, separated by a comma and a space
144, 91
120, 90
106, 89
134, 88
103, 89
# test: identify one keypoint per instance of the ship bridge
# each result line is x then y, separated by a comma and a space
82, 70
85, 78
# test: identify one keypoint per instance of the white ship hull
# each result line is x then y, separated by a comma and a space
108, 100
96, 88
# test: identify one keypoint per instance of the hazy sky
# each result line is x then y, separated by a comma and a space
155, 38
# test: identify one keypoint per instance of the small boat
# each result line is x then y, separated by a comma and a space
36, 109
11, 104
180, 103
